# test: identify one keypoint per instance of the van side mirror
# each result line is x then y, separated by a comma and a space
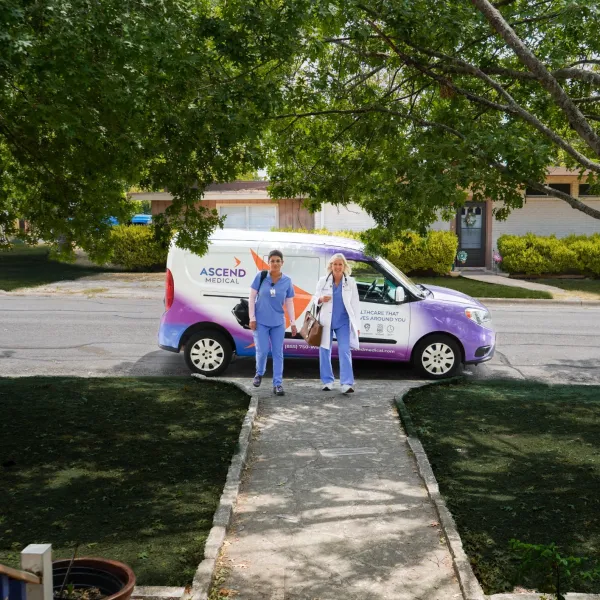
400, 295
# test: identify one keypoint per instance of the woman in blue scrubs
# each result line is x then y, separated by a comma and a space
268, 295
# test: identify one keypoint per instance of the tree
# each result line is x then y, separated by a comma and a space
405, 106
97, 96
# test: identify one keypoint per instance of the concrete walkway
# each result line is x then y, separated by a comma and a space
331, 505
520, 283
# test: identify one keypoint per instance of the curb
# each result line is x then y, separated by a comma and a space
469, 586
538, 595
203, 578
538, 301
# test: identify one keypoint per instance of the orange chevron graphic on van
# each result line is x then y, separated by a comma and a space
237, 261
302, 298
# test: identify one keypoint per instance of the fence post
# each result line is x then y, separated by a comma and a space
37, 558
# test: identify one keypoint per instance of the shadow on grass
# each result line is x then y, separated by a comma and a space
515, 460
29, 266
131, 469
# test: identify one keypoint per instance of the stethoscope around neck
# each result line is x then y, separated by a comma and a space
344, 285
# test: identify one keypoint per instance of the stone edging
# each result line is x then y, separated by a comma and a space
203, 577
469, 586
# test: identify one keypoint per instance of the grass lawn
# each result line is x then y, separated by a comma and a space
515, 460
480, 289
28, 266
575, 285
128, 468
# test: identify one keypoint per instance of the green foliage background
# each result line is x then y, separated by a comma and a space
434, 252
537, 255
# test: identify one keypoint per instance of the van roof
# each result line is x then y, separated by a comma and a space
286, 237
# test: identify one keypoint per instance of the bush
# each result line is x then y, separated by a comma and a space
132, 247
433, 253
537, 255
353, 235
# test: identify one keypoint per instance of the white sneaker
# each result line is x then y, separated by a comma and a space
327, 387
347, 389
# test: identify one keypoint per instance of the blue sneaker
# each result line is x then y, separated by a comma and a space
257, 380
278, 390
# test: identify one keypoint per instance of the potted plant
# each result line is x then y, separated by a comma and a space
92, 579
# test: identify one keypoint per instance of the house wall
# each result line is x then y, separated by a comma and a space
291, 213
547, 216
336, 218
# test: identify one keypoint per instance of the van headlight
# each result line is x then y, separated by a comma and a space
479, 315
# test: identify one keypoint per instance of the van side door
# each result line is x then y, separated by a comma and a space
384, 324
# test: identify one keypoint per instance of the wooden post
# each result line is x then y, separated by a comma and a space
37, 558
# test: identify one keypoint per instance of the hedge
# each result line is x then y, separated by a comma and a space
132, 247
412, 253
537, 255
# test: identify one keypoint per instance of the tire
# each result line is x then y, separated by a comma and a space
437, 357
208, 353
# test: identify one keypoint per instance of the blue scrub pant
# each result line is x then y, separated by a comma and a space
265, 336
345, 354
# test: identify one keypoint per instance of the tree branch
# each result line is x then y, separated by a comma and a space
478, 152
573, 114
513, 106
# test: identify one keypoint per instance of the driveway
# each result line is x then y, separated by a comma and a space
63, 335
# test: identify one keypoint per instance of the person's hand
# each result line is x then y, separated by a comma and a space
294, 331
253, 325
324, 299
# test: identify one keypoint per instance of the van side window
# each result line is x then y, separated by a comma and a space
372, 284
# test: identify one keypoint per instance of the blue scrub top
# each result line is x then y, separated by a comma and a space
269, 309
340, 316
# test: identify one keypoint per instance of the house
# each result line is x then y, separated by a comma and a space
247, 205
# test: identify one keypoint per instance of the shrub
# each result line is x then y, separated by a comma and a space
588, 252
538, 255
412, 253
132, 247
354, 235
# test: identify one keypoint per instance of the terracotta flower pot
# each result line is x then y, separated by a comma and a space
114, 579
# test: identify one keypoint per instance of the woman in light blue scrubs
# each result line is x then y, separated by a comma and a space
268, 295
337, 295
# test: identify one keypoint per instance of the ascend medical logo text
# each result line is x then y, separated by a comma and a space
223, 274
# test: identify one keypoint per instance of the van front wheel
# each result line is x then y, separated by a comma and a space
208, 352
437, 357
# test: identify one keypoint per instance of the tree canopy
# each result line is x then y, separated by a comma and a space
399, 105
406, 106
97, 96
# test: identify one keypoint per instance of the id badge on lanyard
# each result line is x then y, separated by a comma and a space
273, 292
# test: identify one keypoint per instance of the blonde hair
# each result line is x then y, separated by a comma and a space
339, 256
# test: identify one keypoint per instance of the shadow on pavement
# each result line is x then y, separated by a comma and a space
161, 362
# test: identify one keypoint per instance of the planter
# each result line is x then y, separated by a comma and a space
114, 579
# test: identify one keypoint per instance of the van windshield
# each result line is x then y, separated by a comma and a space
402, 278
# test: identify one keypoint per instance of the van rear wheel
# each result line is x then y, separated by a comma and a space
208, 353
437, 357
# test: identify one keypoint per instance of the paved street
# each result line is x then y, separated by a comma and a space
113, 336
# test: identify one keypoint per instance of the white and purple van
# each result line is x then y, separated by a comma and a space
206, 305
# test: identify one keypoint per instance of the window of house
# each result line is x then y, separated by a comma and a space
255, 217
561, 187
372, 284
584, 190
